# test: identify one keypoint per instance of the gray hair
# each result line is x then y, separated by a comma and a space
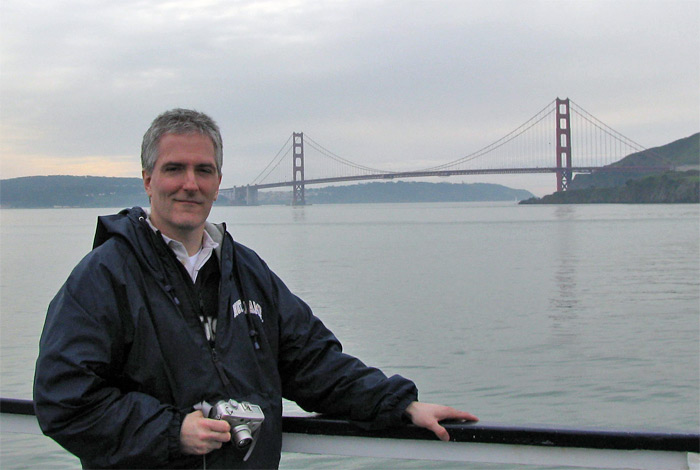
180, 121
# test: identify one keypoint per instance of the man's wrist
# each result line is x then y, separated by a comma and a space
174, 435
407, 416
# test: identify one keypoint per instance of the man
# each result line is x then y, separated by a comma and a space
167, 312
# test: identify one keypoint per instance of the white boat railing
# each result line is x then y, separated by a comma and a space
476, 442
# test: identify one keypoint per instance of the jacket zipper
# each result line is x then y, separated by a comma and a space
221, 372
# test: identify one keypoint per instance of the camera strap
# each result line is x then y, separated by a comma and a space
238, 279
205, 408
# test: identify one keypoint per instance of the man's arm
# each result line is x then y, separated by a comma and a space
428, 415
77, 397
320, 377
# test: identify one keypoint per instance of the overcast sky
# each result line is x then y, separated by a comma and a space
388, 84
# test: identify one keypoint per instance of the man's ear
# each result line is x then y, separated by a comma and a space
146, 182
216, 195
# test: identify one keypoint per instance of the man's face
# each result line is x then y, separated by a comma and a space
183, 185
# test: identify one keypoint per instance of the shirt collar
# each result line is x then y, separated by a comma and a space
191, 263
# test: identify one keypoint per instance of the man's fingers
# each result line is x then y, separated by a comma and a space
428, 415
215, 430
217, 425
200, 435
452, 413
440, 432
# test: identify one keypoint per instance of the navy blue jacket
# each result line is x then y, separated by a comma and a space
122, 359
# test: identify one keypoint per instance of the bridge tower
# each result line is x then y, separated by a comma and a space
298, 168
563, 145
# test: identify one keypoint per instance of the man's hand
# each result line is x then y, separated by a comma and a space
427, 415
200, 435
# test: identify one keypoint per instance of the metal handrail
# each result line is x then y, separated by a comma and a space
328, 435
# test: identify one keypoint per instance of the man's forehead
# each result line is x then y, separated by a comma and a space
188, 148
185, 135
186, 142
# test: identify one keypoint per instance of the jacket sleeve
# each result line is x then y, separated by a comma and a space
320, 377
79, 400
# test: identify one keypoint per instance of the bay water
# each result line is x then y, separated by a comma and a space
576, 315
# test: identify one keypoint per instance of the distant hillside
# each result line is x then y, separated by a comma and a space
71, 191
93, 191
669, 187
683, 153
673, 187
402, 191
399, 191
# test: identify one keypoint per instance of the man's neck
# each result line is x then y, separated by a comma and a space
191, 239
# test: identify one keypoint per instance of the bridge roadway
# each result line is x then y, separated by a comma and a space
248, 194
419, 174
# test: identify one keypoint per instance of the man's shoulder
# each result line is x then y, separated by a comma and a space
246, 258
113, 254
114, 247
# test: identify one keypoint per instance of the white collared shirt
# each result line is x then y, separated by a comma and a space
192, 263
195, 262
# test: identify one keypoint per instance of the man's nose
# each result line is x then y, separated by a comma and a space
190, 182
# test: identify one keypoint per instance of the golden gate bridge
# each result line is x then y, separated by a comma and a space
562, 139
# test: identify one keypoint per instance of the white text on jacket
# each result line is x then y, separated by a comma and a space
253, 308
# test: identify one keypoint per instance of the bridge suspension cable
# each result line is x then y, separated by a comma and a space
274, 163
604, 127
530, 123
324, 151
594, 139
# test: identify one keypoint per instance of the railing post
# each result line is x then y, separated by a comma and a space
563, 145
298, 169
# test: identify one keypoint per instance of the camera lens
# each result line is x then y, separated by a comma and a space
241, 436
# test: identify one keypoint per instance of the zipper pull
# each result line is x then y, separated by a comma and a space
254, 336
170, 290
220, 370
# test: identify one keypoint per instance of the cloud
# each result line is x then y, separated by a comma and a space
389, 82
40, 165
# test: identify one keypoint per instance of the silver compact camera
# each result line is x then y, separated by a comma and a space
244, 418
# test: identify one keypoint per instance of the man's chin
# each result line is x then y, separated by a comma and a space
190, 223
182, 221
